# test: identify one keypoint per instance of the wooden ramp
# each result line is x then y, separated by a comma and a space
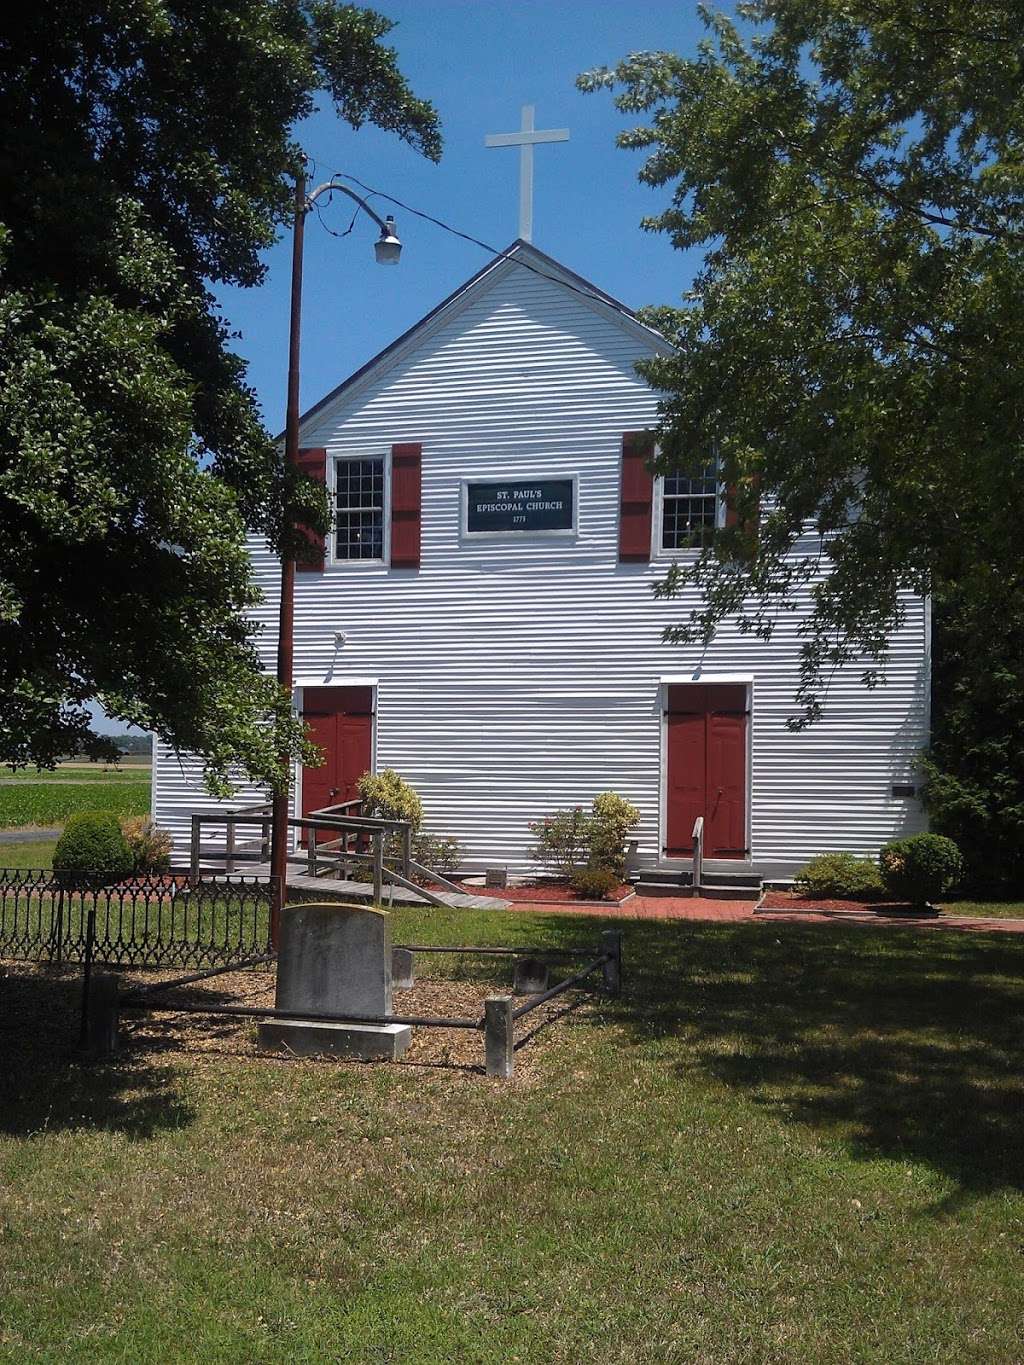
339, 888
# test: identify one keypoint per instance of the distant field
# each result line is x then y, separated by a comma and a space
49, 798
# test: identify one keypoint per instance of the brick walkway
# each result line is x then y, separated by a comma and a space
698, 908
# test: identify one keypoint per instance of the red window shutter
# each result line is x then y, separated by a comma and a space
406, 466
312, 462
637, 497
732, 516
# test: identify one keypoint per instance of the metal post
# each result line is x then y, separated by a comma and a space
286, 613
229, 847
58, 955
90, 942
196, 845
611, 942
499, 1028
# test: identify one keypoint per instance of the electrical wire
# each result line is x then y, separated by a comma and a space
468, 237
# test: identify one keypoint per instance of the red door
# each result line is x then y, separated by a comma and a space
340, 721
707, 768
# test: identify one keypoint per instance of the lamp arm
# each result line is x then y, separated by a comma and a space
344, 189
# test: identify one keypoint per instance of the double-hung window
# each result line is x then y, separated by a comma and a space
359, 509
689, 509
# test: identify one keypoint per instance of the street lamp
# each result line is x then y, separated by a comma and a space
387, 250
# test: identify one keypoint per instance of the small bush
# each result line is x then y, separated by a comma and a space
613, 818
440, 855
594, 882
92, 850
921, 868
149, 844
573, 840
840, 875
386, 796
564, 841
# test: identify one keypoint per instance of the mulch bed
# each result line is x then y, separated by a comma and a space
39, 1006
790, 900
551, 893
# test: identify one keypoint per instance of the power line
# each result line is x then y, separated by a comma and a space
468, 237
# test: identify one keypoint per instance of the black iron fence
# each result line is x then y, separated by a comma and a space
165, 920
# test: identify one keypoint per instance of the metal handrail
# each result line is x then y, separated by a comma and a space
698, 853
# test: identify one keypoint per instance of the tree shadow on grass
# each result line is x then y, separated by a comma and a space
903, 1044
44, 1087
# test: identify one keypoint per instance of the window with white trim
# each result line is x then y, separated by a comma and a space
359, 509
689, 509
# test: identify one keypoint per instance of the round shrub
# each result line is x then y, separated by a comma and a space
594, 882
841, 876
921, 868
92, 850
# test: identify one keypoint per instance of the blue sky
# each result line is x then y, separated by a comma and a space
479, 61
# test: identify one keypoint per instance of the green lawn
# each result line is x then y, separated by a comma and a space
784, 1143
31, 853
48, 799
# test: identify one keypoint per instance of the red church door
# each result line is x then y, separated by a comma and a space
706, 748
340, 720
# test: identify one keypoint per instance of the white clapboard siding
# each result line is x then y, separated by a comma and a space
514, 677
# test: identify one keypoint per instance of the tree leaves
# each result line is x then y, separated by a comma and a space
853, 346
147, 154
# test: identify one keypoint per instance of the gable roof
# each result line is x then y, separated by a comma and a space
525, 255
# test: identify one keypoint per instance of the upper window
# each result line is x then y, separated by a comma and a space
359, 509
689, 510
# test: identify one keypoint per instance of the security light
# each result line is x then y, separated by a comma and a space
387, 248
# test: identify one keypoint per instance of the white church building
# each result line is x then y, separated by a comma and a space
482, 620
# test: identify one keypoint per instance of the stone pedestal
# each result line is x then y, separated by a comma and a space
334, 958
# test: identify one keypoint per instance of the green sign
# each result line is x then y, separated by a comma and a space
520, 505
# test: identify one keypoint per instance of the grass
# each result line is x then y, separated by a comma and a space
30, 853
1008, 909
784, 1143
48, 799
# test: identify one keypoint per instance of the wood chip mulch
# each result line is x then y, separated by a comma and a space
39, 1006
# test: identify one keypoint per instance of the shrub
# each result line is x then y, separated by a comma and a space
564, 841
921, 868
440, 855
594, 882
149, 844
613, 818
92, 850
840, 875
386, 796
571, 840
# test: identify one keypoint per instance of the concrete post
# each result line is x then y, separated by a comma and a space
498, 1036
611, 942
102, 1018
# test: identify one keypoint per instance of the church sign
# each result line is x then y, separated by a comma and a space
501, 507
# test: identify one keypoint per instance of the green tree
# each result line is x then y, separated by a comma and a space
852, 349
147, 155
975, 767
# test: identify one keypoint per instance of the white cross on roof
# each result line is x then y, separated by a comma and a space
525, 140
